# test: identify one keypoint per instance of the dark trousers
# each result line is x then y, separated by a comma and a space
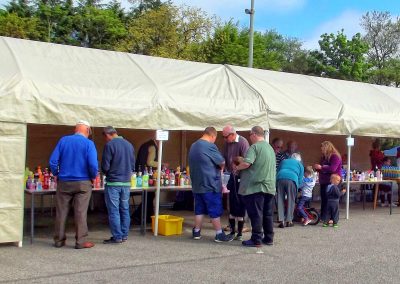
324, 201
332, 210
259, 208
78, 193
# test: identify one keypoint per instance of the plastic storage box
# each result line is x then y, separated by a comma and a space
168, 225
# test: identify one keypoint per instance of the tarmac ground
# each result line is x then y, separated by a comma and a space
364, 249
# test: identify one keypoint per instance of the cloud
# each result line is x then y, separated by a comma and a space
348, 20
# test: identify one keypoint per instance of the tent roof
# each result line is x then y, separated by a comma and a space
327, 106
58, 84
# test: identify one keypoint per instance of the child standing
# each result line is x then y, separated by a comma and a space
306, 193
333, 194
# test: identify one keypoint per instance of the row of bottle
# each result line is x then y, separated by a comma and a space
168, 177
40, 180
363, 176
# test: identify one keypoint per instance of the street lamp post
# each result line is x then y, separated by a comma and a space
251, 33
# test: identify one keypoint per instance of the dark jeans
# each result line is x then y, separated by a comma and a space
259, 208
78, 193
332, 210
117, 201
324, 201
300, 207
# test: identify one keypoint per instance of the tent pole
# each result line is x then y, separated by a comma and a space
157, 209
348, 178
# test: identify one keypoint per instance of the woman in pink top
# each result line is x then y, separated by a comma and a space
331, 163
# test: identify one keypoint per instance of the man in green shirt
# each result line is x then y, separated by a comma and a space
257, 187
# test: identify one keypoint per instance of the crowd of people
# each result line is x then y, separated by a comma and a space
262, 177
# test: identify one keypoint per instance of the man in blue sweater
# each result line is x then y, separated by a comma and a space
118, 163
74, 162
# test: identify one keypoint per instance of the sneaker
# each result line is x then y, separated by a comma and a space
223, 238
124, 239
325, 225
251, 243
306, 222
268, 243
238, 238
335, 225
281, 225
85, 245
112, 241
196, 235
394, 205
289, 224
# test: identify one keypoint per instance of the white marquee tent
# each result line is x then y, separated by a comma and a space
43, 83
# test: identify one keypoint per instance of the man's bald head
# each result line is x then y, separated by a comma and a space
229, 133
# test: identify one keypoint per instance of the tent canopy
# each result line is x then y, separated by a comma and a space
57, 84
326, 106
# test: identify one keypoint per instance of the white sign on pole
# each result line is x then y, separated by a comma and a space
162, 135
350, 141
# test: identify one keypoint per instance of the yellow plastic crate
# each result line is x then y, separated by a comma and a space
168, 225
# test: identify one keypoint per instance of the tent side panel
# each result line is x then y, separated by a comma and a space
12, 164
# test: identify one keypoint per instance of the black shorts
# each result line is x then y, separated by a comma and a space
236, 205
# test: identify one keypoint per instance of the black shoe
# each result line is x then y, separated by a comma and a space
112, 241
196, 235
251, 243
289, 224
268, 243
281, 225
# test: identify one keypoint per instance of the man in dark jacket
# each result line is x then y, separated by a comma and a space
118, 163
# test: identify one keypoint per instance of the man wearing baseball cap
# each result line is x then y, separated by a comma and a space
74, 162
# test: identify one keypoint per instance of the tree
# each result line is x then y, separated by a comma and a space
97, 27
382, 35
152, 33
12, 25
342, 58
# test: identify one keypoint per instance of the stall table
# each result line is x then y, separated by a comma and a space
141, 190
376, 190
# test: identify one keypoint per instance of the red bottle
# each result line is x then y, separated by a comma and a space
46, 179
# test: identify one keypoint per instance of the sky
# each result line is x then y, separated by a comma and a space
306, 20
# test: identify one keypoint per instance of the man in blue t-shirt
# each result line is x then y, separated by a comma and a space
206, 164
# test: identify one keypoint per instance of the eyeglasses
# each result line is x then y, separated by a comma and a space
226, 136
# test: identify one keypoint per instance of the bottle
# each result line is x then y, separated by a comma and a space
145, 180
182, 180
39, 186
40, 173
46, 179
28, 183
133, 180
97, 182
139, 179
172, 179
52, 184
161, 180
177, 174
